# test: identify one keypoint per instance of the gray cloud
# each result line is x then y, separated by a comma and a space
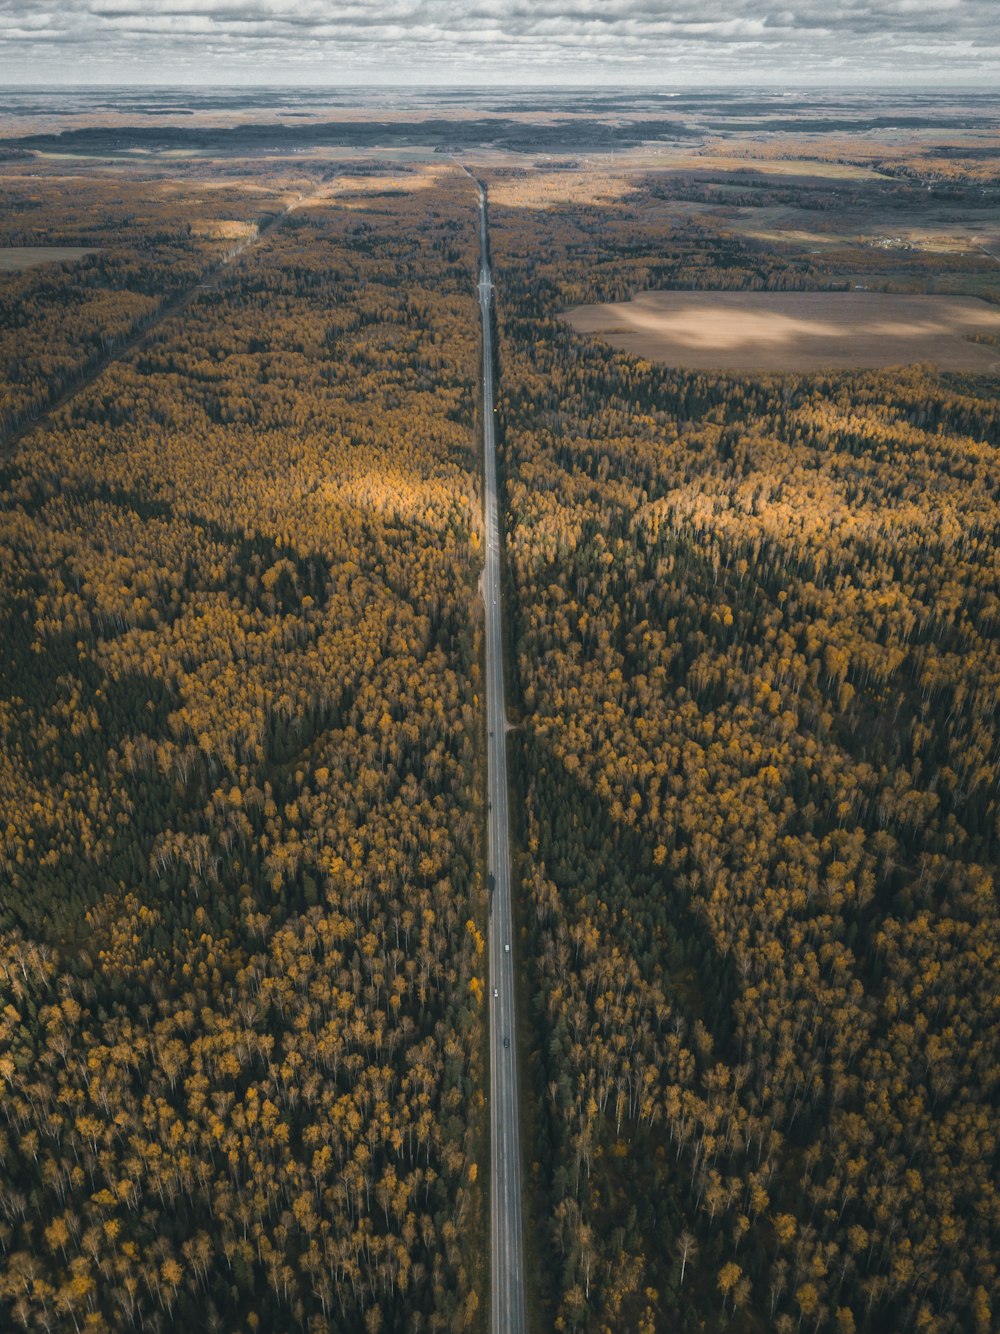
571, 41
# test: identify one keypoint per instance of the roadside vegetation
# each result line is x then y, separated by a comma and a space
241, 985
756, 630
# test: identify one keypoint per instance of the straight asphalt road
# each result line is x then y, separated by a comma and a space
506, 1244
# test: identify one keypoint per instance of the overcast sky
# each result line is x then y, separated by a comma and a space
664, 43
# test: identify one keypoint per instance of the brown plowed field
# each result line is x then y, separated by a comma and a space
15, 258
797, 331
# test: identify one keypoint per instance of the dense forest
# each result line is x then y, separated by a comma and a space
755, 671
757, 657
241, 893
149, 241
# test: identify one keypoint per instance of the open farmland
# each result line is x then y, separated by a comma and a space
797, 331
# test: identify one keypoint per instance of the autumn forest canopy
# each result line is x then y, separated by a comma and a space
753, 673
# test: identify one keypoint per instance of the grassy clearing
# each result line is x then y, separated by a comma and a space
14, 259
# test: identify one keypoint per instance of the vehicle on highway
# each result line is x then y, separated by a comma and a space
506, 949
506, 1042
496, 992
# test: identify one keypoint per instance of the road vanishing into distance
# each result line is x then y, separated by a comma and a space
506, 1244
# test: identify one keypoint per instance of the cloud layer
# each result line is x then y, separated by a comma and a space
905, 42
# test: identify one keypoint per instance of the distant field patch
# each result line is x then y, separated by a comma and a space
797, 331
15, 258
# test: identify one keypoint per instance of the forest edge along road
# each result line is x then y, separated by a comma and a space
507, 1311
